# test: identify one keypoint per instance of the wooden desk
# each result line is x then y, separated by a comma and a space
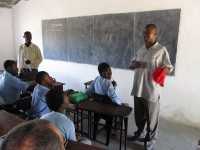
8, 121
28, 76
80, 146
107, 109
59, 86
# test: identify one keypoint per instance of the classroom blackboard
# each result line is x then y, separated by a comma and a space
112, 38
79, 36
54, 39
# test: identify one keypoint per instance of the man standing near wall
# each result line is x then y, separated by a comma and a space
149, 58
29, 56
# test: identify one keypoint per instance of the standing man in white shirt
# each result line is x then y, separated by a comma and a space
145, 90
29, 56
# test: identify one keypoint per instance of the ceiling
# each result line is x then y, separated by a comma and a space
8, 3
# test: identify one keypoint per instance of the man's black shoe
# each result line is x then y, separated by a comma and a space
133, 138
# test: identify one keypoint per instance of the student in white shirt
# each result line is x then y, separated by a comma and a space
104, 86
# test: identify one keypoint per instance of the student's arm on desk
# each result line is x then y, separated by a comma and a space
113, 95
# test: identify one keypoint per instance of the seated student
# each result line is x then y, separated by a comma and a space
38, 105
58, 102
34, 135
103, 85
10, 85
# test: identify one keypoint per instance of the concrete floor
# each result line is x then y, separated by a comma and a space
172, 136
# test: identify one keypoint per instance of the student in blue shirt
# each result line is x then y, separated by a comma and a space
58, 102
104, 86
38, 105
10, 85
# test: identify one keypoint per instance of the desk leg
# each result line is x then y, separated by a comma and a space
115, 122
74, 116
88, 124
82, 123
77, 121
90, 116
125, 131
121, 130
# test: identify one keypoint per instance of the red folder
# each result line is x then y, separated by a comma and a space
159, 76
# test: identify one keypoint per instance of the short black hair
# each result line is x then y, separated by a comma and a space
151, 25
9, 63
103, 67
27, 33
40, 76
55, 99
38, 133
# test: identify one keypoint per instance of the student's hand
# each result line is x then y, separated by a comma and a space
53, 80
114, 83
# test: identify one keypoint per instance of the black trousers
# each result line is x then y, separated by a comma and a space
10, 108
108, 125
146, 117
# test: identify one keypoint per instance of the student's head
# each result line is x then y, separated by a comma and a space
105, 70
11, 67
28, 37
43, 78
150, 34
34, 135
57, 100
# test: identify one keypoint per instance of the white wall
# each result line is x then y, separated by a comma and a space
180, 99
6, 39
